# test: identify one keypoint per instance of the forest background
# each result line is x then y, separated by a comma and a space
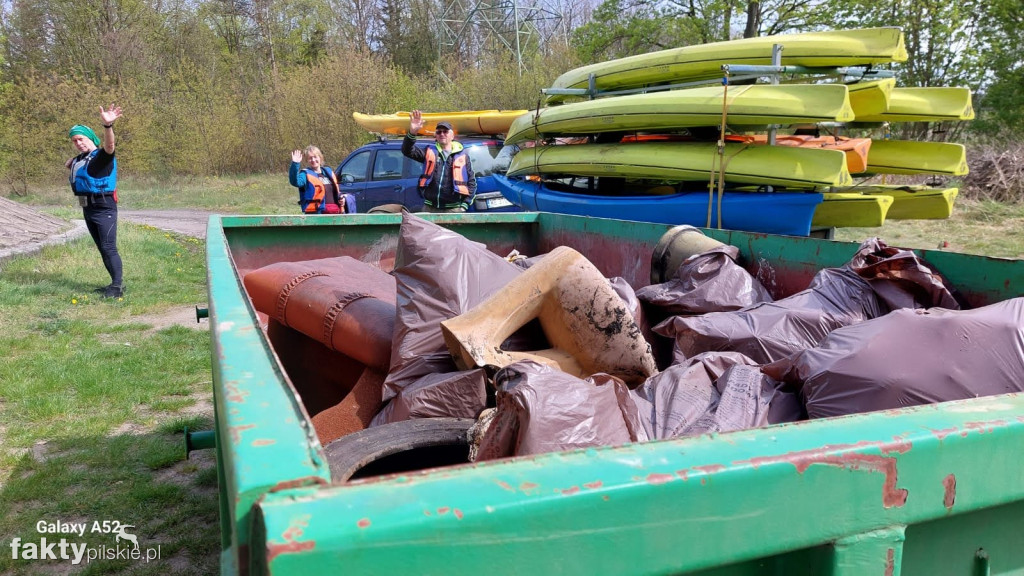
216, 87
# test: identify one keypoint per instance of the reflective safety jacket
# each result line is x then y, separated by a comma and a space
312, 187
82, 184
443, 184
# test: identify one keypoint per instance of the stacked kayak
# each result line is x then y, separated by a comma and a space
816, 49
688, 161
756, 105
928, 104
646, 127
913, 157
911, 202
846, 209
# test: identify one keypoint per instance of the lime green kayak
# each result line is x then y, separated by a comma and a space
670, 110
844, 210
912, 202
931, 104
871, 97
744, 163
912, 157
837, 48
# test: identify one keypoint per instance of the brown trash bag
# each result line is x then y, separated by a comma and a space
542, 409
453, 395
876, 279
440, 274
707, 282
773, 330
911, 357
712, 392
901, 278
345, 304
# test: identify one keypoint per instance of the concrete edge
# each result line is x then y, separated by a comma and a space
75, 232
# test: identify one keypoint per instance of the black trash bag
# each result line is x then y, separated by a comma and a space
901, 278
877, 279
773, 330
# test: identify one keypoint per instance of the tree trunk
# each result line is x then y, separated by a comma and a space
753, 20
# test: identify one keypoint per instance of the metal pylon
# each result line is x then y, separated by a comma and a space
512, 23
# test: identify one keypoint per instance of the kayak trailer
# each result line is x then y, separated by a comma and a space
936, 489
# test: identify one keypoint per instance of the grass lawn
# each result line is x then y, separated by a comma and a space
988, 228
93, 399
256, 194
94, 393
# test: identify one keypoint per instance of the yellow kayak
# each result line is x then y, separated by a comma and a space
674, 109
913, 202
872, 97
745, 164
489, 122
930, 104
845, 210
837, 48
913, 157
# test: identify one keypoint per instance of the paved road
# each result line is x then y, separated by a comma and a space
187, 222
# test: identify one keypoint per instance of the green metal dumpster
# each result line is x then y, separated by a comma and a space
936, 489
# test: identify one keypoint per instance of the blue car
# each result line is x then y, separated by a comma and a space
384, 180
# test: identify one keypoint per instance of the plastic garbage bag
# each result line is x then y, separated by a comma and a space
460, 394
712, 392
542, 409
440, 274
708, 282
876, 279
911, 357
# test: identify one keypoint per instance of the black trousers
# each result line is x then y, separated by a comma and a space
101, 220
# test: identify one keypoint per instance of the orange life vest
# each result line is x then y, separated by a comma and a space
319, 191
460, 172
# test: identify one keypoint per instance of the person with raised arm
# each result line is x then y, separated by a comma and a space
93, 178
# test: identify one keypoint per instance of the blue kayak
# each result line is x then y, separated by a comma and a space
787, 213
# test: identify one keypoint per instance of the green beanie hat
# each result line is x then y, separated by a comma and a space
80, 130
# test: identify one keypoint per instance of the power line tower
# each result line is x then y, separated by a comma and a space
467, 26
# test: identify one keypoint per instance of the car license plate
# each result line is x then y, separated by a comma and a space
498, 203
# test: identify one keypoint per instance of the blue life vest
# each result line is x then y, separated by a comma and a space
82, 184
